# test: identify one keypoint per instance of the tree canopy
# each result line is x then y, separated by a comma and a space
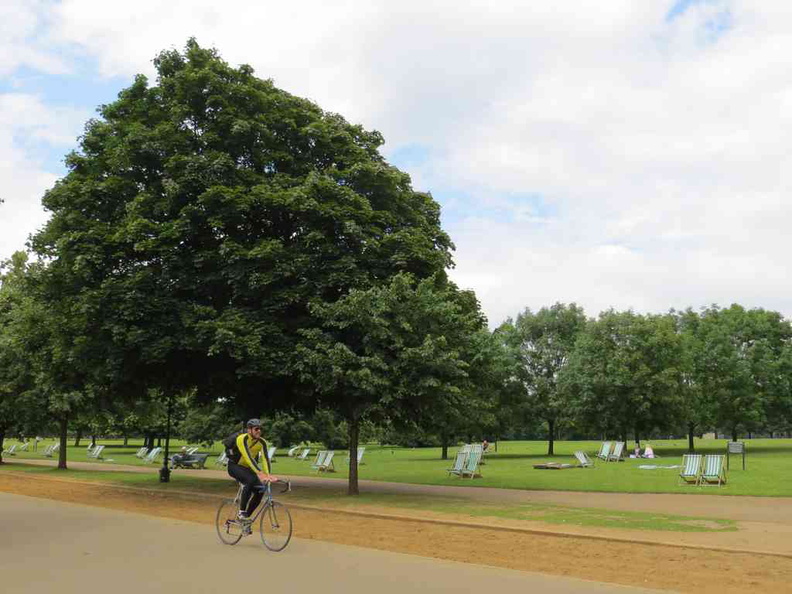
204, 216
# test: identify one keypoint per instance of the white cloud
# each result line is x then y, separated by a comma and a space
27, 126
654, 150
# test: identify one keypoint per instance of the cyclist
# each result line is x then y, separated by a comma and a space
243, 451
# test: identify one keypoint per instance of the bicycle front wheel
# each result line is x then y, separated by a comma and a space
275, 526
228, 529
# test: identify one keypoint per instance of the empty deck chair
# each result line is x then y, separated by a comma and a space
304, 454
359, 456
271, 454
604, 450
222, 459
617, 453
471, 467
691, 468
319, 459
152, 455
24, 447
583, 459
712, 472
327, 464
47, 453
11, 451
292, 451
96, 453
141, 453
459, 463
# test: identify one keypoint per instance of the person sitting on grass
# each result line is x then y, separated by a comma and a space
648, 452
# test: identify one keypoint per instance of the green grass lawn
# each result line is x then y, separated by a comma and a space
768, 467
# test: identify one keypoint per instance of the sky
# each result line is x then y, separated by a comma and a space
619, 154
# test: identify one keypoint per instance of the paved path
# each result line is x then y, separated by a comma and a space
73, 549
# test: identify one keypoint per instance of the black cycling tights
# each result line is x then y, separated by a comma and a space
248, 478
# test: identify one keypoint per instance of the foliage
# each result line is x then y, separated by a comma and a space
625, 373
541, 344
392, 351
203, 216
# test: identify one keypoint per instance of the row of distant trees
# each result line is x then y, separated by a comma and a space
624, 374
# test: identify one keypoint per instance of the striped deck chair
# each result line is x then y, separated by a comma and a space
11, 451
471, 467
360, 452
319, 460
96, 452
604, 450
304, 454
327, 464
713, 473
583, 460
691, 467
459, 463
151, 457
617, 454
141, 453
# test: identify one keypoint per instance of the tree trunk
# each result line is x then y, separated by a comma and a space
77, 438
93, 441
551, 425
750, 435
734, 433
354, 431
64, 424
126, 440
2, 439
444, 445
637, 437
691, 446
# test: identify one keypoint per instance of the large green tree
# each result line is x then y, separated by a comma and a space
542, 344
742, 354
399, 351
625, 373
203, 215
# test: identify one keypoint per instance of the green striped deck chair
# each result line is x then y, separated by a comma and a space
617, 455
471, 467
459, 463
583, 459
320, 459
691, 467
713, 473
604, 450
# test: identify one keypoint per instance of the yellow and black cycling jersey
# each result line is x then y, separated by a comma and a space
249, 448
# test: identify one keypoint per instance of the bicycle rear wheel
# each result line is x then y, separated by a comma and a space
228, 529
275, 526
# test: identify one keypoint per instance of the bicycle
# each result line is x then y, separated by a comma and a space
275, 523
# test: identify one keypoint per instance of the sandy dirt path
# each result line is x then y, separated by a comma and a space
764, 523
86, 549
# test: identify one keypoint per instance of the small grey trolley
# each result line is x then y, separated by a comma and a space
275, 523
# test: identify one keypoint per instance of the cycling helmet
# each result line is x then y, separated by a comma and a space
254, 423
